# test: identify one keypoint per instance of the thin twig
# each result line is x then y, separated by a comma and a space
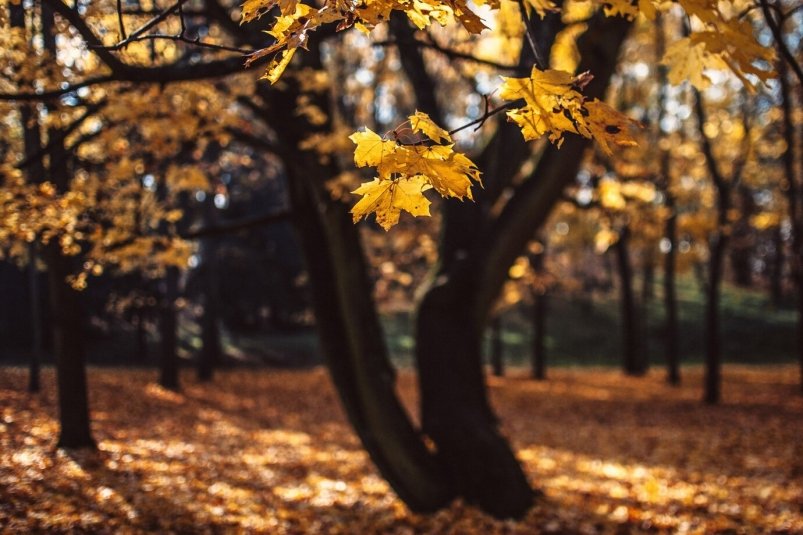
120, 19
487, 115
134, 36
184, 39
447, 52
530, 32
777, 33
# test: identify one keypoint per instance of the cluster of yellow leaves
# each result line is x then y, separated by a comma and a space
724, 41
271, 452
405, 171
296, 20
554, 105
30, 212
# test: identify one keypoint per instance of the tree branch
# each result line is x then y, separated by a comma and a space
237, 226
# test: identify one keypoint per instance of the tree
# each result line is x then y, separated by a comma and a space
480, 239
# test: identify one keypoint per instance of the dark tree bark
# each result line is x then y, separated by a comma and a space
742, 239
670, 294
68, 326
209, 357
717, 246
71, 380
346, 317
168, 332
539, 313
633, 359
793, 192
497, 347
713, 358
776, 274
35, 294
671, 336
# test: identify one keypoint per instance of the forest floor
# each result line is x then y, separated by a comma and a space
270, 451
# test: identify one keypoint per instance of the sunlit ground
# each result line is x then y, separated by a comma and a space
270, 451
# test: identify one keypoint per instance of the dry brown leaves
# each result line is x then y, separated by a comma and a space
271, 452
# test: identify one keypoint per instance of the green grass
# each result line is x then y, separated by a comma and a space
580, 332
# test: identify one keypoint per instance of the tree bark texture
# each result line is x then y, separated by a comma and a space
168, 332
633, 361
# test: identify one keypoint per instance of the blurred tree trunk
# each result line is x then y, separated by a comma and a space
742, 239
670, 294
168, 331
671, 338
718, 243
497, 347
713, 359
776, 274
793, 197
209, 357
37, 345
540, 297
633, 358
73, 401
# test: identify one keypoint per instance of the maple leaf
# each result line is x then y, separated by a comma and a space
437, 166
542, 7
371, 148
553, 106
387, 198
421, 122
609, 127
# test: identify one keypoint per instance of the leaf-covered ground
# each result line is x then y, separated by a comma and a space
270, 451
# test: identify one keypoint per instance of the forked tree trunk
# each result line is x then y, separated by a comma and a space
471, 458
346, 317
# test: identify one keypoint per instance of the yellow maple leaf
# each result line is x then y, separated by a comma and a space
554, 105
542, 7
387, 198
371, 148
421, 122
609, 127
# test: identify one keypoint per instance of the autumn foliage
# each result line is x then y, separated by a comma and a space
271, 452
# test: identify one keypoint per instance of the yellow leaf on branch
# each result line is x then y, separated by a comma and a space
405, 171
387, 198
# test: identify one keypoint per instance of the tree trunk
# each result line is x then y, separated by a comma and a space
168, 335
209, 357
713, 350
793, 190
454, 405
670, 296
497, 349
353, 344
633, 361
742, 239
540, 307
776, 273
670, 227
34, 383
73, 401
345, 314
